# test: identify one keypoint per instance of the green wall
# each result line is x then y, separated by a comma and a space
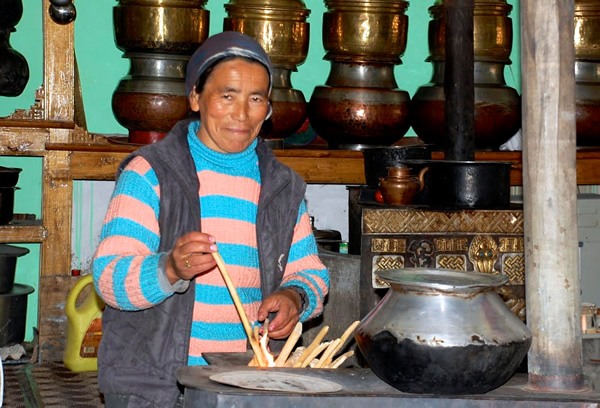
101, 66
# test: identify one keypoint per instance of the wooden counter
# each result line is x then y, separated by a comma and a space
318, 166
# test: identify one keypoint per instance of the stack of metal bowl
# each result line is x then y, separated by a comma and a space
360, 104
497, 106
158, 37
13, 297
280, 27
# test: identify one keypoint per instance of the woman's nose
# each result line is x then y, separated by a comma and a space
240, 111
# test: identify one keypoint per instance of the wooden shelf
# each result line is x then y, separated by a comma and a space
23, 231
318, 166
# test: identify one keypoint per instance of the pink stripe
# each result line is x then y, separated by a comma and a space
197, 346
138, 165
118, 244
215, 183
105, 284
230, 231
132, 284
128, 207
223, 313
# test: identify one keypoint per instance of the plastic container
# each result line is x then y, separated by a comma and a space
84, 329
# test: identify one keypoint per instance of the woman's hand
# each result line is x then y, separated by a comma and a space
287, 305
191, 256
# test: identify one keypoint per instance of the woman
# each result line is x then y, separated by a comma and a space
209, 185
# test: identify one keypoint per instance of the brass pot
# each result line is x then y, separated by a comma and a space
492, 31
587, 30
279, 26
165, 26
365, 31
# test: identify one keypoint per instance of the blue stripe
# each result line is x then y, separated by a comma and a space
131, 229
151, 289
238, 254
312, 275
218, 331
197, 361
306, 246
99, 264
219, 295
133, 185
119, 289
218, 206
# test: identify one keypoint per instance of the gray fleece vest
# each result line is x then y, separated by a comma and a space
141, 351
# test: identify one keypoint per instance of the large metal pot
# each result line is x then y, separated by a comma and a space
9, 176
442, 332
7, 204
13, 314
8, 265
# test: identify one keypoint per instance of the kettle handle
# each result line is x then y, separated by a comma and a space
84, 281
422, 177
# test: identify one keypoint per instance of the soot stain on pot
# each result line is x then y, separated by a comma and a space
423, 369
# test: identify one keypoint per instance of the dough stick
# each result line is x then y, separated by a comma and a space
328, 353
289, 345
338, 361
343, 340
313, 354
312, 346
240, 309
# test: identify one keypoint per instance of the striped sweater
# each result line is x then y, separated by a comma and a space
128, 270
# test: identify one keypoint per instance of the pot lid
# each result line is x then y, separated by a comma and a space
10, 170
11, 250
18, 290
445, 280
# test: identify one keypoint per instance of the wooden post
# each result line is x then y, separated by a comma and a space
459, 83
550, 195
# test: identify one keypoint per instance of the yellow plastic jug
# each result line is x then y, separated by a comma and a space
84, 329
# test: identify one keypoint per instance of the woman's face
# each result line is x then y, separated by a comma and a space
233, 105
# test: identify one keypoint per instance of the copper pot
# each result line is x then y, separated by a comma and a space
587, 102
151, 98
166, 26
359, 106
497, 107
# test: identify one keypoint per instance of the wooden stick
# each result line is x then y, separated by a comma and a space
328, 353
315, 343
343, 340
313, 354
289, 345
240, 309
338, 361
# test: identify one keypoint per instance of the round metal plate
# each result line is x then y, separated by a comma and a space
276, 381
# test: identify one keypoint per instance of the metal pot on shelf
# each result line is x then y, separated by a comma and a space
8, 265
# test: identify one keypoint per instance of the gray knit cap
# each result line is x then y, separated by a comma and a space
223, 45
